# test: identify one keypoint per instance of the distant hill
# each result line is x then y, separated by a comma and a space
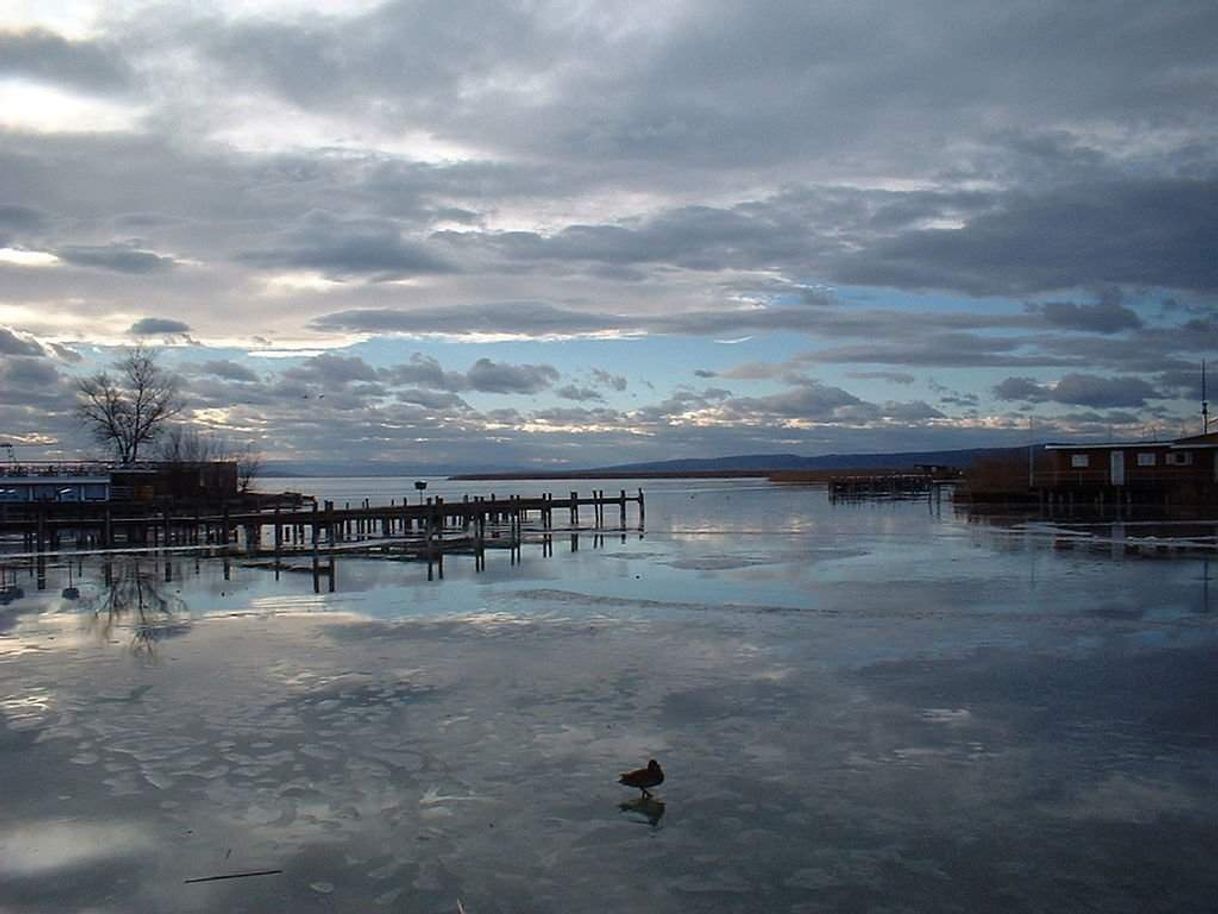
960, 459
283, 469
738, 465
761, 465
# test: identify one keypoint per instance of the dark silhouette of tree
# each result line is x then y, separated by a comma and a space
184, 445
127, 410
249, 465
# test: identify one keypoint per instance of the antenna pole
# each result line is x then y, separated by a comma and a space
1031, 452
1205, 406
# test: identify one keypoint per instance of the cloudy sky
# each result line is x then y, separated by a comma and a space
575, 233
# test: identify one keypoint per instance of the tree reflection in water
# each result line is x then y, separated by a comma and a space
133, 597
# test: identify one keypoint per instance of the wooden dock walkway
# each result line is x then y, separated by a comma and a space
432, 525
886, 485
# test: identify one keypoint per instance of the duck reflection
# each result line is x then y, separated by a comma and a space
133, 596
647, 810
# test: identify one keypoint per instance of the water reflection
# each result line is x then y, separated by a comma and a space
133, 596
10, 590
646, 810
911, 687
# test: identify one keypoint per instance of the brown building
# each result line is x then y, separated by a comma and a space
1182, 469
209, 482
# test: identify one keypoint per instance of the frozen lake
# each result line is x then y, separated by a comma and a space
860, 707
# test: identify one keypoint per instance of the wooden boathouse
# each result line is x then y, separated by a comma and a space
1180, 472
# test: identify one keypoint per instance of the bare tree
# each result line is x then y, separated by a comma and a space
249, 465
186, 444
183, 443
128, 410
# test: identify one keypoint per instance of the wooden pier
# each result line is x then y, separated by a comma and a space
429, 526
886, 485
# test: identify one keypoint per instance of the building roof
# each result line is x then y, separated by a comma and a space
1209, 440
1110, 446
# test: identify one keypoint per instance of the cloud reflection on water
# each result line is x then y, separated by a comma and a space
932, 716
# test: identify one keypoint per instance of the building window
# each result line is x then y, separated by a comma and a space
1146, 459
1180, 458
1080, 461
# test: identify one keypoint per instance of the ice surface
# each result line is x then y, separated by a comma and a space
871, 708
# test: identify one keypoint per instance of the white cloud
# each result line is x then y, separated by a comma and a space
22, 258
28, 106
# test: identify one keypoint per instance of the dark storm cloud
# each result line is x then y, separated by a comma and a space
570, 415
1101, 317
1080, 390
1133, 231
67, 354
574, 392
1089, 390
946, 350
328, 370
148, 326
431, 399
344, 248
533, 318
607, 379
693, 237
331, 375
1141, 232
1021, 389
910, 411
12, 344
36, 395
1151, 349
488, 376
696, 87
754, 371
682, 400
14, 218
31, 374
121, 258
1186, 382
398, 60
229, 370
896, 377
47, 57
811, 400
539, 319
426, 371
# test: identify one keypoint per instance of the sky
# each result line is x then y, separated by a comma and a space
565, 234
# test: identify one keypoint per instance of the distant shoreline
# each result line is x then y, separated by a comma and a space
795, 476
592, 474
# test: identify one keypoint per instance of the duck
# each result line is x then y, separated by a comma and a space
644, 778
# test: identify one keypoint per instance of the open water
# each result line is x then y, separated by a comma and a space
877, 706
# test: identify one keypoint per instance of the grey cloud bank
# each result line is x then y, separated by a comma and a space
1015, 201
